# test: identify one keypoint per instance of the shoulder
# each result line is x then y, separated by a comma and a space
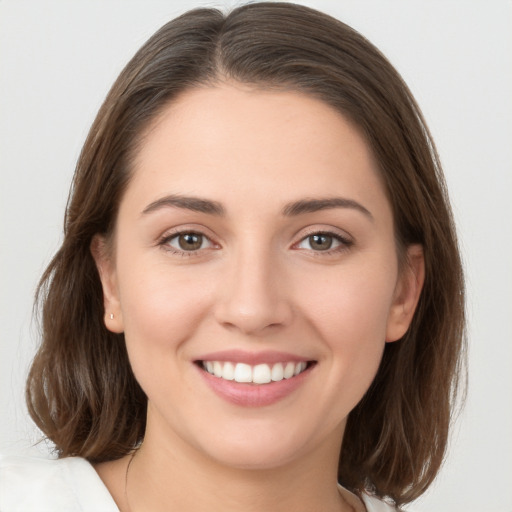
32, 484
373, 504
366, 503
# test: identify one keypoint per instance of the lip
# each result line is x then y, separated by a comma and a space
252, 358
249, 394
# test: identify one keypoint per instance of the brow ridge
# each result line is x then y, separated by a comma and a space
195, 204
314, 205
300, 207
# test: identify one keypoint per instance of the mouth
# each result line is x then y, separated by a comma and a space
259, 374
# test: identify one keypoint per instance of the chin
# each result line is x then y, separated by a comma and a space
259, 448
251, 459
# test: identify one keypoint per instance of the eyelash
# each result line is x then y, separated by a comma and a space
344, 243
164, 242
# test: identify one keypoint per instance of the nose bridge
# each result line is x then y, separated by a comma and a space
253, 297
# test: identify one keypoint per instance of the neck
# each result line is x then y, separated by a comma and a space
174, 476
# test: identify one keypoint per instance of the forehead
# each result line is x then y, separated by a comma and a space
231, 141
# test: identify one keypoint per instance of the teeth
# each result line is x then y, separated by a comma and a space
299, 368
258, 374
277, 372
261, 374
217, 369
289, 370
228, 371
243, 373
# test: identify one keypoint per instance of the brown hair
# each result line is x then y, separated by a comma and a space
81, 391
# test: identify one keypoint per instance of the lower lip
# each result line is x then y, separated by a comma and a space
253, 395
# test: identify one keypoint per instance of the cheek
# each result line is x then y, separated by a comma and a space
161, 308
349, 313
354, 301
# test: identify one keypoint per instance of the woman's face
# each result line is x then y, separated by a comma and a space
255, 275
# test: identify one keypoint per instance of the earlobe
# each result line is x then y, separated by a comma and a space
112, 315
407, 294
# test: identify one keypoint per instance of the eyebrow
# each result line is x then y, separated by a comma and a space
195, 204
315, 205
295, 208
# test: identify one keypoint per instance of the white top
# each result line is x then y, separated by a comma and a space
29, 484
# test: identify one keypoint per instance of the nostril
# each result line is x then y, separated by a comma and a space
253, 316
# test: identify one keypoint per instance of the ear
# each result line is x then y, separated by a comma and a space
113, 316
407, 294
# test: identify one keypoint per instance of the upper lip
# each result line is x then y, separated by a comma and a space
252, 358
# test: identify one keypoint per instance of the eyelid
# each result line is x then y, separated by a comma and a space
326, 230
346, 240
163, 240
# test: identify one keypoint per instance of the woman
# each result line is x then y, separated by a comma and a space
259, 289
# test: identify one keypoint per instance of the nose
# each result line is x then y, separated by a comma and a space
254, 295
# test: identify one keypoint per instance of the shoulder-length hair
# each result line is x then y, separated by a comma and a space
81, 391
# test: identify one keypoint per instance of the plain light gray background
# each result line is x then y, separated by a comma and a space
59, 58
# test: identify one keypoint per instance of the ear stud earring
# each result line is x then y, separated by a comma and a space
111, 316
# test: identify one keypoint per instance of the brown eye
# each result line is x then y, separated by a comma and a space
190, 241
320, 242
187, 242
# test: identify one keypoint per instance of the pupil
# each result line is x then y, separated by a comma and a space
190, 241
321, 242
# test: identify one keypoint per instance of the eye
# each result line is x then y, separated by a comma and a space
318, 242
188, 241
323, 242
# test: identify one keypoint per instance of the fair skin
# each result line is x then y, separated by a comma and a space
284, 255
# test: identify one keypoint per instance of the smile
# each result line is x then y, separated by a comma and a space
254, 374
